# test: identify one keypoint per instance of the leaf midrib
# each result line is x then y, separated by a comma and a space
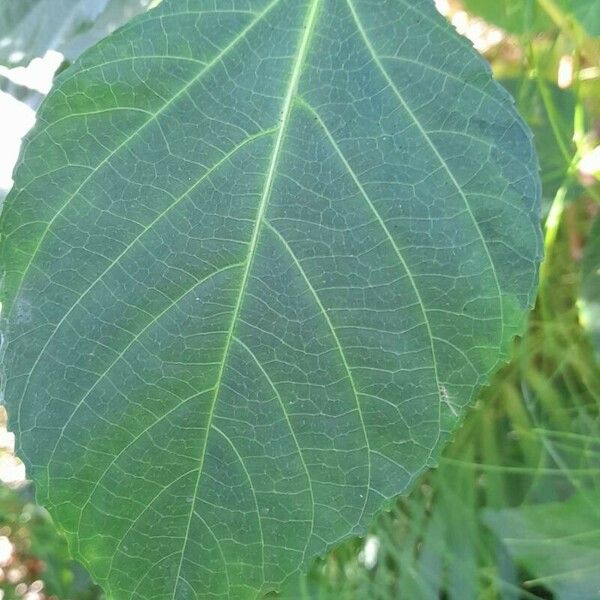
262, 207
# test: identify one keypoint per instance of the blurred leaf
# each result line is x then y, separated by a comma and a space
530, 17
514, 16
589, 301
587, 12
29, 28
558, 543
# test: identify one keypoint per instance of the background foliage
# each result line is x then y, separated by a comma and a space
513, 511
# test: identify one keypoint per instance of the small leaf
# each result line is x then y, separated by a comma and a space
259, 259
557, 542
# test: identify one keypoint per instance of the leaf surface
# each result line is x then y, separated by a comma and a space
259, 257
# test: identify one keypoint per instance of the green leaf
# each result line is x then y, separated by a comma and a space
529, 16
587, 12
589, 300
28, 28
258, 260
514, 16
557, 542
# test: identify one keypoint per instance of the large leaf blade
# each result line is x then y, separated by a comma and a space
254, 273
